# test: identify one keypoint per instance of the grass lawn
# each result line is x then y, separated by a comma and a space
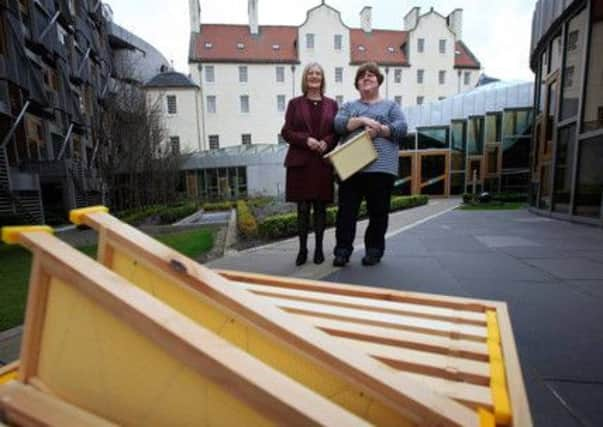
15, 263
492, 206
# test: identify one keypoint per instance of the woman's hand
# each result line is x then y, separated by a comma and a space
316, 145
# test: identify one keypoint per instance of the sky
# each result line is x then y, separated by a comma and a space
497, 32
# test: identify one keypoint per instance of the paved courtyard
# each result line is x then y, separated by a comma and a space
549, 272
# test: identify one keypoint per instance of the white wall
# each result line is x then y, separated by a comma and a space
186, 123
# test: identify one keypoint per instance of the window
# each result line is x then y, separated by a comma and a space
211, 104
420, 45
338, 74
589, 185
214, 142
175, 145
562, 187
280, 74
420, 100
171, 104
442, 77
467, 77
209, 73
443, 46
243, 74
280, 103
337, 41
309, 41
398, 75
244, 103
593, 104
420, 75
246, 139
398, 100
339, 99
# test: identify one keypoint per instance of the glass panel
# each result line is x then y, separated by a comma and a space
590, 178
593, 106
492, 166
408, 142
458, 161
457, 183
458, 136
551, 113
405, 167
432, 138
563, 169
517, 122
475, 135
515, 183
432, 171
516, 153
541, 76
493, 127
572, 73
555, 54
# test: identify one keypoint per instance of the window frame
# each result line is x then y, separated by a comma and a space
171, 111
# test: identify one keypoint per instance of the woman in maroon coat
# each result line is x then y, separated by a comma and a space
309, 131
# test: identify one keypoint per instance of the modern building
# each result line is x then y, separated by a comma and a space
179, 101
57, 67
567, 154
248, 73
477, 140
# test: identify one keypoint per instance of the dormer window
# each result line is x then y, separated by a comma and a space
240, 46
361, 48
276, 46
390, 49
208, 45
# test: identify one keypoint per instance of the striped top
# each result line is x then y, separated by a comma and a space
385, 112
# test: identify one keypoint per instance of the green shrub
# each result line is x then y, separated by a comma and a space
246, 222
258, 202
285, 225
136, 216
172, 214
218, 206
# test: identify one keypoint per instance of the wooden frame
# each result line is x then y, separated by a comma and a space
457, 344
352, 379
99, 343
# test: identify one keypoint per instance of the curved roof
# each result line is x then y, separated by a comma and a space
170, 79
483, 99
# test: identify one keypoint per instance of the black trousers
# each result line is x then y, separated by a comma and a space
376, 189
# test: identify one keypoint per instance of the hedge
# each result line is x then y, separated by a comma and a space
172, 214
248, 227
285, 225
218, 206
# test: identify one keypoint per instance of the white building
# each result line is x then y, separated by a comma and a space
179, 101
248, 73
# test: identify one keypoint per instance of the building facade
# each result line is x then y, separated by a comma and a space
248, 73
57, 67
567, 149
179, 101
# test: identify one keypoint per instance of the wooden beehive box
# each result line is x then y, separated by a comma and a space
352, 156
363, 355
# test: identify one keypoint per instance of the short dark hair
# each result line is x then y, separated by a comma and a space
371, 67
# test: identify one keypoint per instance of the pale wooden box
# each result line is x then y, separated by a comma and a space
353, 155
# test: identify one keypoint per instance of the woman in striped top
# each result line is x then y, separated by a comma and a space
386, 125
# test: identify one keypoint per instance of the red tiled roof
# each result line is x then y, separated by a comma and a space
257, 48
464, 58
375, 46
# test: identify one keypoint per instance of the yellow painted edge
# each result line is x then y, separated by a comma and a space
498, 382
10, 235
8, 376
486, 419
76, 215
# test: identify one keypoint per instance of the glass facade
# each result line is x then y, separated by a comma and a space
475, 135
567, 147
222, 183
434, 138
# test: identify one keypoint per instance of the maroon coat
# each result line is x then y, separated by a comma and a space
309, 176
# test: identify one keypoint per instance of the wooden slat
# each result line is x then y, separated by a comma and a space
474, 396
422, 362
372, 377
375, 292
419, 310
436, 327
22, 405
396, 337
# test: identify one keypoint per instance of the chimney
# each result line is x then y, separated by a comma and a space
455, 23
411, 19
194, 10
252, 10
365, 19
